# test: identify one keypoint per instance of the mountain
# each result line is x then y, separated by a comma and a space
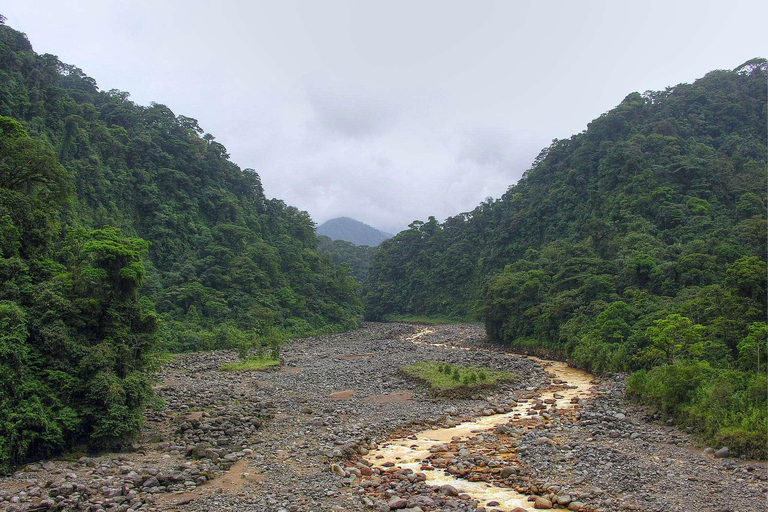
636, 245
351, 230
126, 230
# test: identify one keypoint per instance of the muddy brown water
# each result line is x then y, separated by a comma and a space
409, 452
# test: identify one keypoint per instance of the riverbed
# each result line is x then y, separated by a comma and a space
569, 387
299, 439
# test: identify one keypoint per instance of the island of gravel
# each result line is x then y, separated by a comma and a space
294, 439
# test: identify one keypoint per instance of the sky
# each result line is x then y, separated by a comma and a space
391, 111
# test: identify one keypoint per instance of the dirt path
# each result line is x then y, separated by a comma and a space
297, 439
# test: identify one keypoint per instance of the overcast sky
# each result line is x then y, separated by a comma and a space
391, 111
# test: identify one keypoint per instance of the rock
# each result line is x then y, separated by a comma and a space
198, 451
518, 509
152, 481
397, 503
709, 450
507, 472
542, 503
448, 490
576, 506
338, 471
563, 499
134, 478
420, 501
722, 453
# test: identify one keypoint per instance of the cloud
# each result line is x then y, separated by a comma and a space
352, 113
486, 147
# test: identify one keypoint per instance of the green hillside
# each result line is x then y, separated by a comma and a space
124, 229
638, 244
358, 257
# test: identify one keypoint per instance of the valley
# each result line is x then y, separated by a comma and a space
304, 438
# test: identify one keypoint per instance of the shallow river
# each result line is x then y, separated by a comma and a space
410, 452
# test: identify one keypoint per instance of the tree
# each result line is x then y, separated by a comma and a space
674, 336
27, 165
753, 349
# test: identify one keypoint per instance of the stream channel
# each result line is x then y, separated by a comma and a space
569, 385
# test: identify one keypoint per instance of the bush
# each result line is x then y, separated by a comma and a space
725, 407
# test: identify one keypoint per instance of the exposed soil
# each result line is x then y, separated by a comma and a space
295, 439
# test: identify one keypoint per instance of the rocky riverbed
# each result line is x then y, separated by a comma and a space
296, 439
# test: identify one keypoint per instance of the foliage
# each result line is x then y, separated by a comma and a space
639, 243
447, 379
75, 336
726, 406
358, 257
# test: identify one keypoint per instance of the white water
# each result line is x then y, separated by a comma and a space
409, 452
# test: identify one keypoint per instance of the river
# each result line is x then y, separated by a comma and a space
412, 452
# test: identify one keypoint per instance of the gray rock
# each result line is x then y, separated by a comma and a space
152, 481
418, 501
397, 503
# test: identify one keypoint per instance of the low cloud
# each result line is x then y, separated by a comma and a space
351, 113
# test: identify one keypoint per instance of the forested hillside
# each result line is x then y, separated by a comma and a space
358, 257
638, 244
124, 229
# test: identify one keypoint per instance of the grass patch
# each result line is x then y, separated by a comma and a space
251, 364
456, 380
429, 320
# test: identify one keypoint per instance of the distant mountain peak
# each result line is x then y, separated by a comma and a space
351, 230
